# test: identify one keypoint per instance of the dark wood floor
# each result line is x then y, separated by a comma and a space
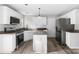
53, 48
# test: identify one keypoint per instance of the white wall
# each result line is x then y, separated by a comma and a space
34, 22
27, 21
51, 26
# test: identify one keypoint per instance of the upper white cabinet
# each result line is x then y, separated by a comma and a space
6, 12
3, 15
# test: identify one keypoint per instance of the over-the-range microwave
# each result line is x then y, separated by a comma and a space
14, 20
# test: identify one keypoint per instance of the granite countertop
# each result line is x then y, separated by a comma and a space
75, 31
40, 33
12, 31
2, 32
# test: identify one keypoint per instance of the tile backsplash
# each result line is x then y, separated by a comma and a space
2, 26
76, 26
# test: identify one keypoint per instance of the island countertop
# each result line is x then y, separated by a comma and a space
40, 33
75, 31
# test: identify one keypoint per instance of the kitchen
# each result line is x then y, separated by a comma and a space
28, 31
13, 33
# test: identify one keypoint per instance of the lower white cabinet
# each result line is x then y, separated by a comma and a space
28, 35
40, 43
72, 40
7, 43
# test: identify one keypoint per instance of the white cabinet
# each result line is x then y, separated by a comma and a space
40, 43
6, 12
3, 15
72, 40
7, 43
28, 35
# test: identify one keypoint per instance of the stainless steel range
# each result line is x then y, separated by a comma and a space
19, 38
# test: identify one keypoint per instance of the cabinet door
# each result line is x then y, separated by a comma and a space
9, 43
3, 15
28, 35
40, 43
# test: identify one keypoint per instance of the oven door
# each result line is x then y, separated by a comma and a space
19, 39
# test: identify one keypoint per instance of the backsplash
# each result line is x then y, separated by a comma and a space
2, 26
37, 26
76, 26
34, 22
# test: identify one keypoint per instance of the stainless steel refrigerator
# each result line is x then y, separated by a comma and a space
62, 26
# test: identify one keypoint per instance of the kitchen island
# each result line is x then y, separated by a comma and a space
40, 42
28, 33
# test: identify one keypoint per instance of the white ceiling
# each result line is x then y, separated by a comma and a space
46, 9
